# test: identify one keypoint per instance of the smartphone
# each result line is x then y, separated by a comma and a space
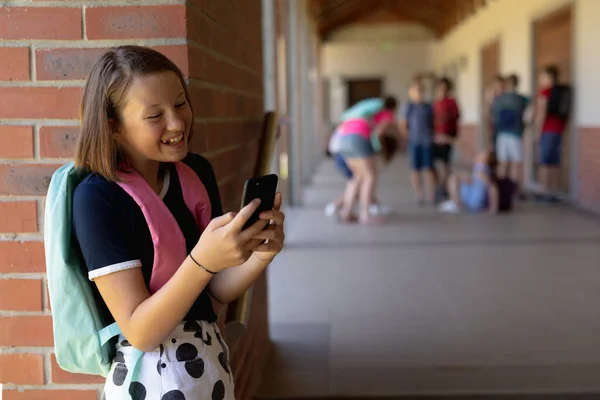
264, 188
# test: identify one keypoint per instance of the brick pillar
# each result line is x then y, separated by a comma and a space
48, 49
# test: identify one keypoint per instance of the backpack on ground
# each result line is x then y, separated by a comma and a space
559, 101
83, 332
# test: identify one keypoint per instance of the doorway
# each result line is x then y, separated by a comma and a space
490, 69
552, 44
360, 89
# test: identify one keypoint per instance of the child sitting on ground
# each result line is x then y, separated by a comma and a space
477, 192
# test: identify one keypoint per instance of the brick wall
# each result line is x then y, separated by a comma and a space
47, 50
589, 165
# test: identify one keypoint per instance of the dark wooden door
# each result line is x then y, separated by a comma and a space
360, 89
553, 46
490, 69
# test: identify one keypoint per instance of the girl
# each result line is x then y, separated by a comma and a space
355, 145
477, 193
137, 119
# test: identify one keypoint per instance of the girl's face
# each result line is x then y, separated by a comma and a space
155, 120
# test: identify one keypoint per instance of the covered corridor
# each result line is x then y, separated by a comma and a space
433, 303
426, 304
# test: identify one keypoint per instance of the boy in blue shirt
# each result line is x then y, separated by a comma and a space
417, 125
508, 110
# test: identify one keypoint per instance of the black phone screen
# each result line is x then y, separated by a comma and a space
263, 188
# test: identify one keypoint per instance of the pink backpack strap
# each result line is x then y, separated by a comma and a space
169, 242
195, 195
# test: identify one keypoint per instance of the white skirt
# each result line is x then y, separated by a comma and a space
191, 364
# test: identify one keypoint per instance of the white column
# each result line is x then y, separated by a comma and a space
295, 95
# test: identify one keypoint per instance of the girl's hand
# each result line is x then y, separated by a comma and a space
223, 244
273, 234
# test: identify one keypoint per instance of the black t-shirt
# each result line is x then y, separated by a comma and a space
113, 234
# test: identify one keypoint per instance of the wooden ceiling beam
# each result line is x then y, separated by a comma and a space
415, 14
441, 16
349, 15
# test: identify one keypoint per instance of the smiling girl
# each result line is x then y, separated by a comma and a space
136, 125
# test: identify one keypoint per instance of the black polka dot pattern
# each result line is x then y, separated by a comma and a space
120, 358
137, 391
159, 367
223, 361
207, 341
125, 343
173, 395
224, 355
218, 392
173, 340
186, 352
162, 349
191, 326
195, 368
119, 374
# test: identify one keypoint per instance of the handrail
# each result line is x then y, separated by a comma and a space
238, 312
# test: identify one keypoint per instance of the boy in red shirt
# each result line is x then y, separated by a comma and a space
446, 115
549, 129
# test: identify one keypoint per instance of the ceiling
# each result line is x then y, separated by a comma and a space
441, 16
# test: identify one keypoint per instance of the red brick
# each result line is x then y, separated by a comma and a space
18, 216
50, 394
16, 141
199, 28
15, 64
26, 331
178, 54
22, 257
76, 64
50, 23
39, 102
25, 179
136, 22
21, 369
61, 376
21, 294
198, 143
58, 141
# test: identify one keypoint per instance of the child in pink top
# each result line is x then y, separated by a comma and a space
356, 147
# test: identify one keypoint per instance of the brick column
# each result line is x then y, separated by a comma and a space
48, 49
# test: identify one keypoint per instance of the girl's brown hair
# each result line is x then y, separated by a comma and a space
101, 105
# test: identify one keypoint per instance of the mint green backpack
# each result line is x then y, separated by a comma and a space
81, 333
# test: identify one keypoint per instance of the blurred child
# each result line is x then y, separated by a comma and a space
476, 193
417, 124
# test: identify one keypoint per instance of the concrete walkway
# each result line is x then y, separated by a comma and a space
433, 303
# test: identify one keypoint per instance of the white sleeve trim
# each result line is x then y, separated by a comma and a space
114, 268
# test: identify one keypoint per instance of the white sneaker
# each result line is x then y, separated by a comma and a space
449, 206
331, 210
379, 210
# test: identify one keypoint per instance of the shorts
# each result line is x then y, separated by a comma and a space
550, 149
509, 148
421, 156
355, 146
192, 363
342, 166
442, 152
473, 196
